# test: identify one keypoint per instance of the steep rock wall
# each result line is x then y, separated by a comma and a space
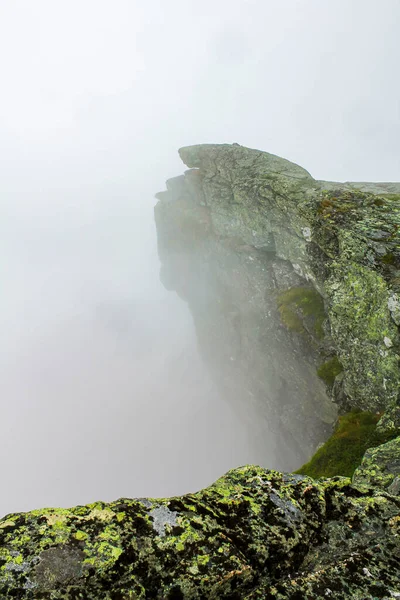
282, 274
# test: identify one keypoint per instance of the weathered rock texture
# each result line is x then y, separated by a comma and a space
255, 533
281, 273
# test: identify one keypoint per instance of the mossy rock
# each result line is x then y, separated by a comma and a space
381, 467
254, 534
342, 453
329, 370
297, 305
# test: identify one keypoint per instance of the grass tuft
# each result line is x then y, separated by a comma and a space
343, 451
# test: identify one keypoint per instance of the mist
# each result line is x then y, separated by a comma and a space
104, 393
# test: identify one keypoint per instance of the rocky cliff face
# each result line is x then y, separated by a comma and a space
294, 288
286, 277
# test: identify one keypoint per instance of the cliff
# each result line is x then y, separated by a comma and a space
294, 287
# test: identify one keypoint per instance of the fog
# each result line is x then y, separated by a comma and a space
103, 391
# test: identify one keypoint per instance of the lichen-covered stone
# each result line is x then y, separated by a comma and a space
394, 307
380, 466
255, 533
360, 322
390, 420
342, 238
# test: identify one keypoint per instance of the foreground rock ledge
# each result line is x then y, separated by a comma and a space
255, 533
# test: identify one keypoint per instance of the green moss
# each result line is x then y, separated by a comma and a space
343, 451
329, 370
395, 197
290, 319
388, 259
298, 304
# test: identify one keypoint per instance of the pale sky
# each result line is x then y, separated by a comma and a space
104, 394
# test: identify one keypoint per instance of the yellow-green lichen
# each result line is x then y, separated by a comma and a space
361, 326
380, 465
223, 548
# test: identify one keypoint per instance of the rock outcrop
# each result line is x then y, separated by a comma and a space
254, 534
289, 280
294, 287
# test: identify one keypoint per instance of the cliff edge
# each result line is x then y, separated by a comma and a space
293, 284
294, 287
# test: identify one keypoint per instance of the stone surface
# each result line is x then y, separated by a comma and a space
394, 307
255, 533
380, 466
242, 227
284, 275
390, 420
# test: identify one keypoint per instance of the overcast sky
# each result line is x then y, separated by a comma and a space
103, 393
